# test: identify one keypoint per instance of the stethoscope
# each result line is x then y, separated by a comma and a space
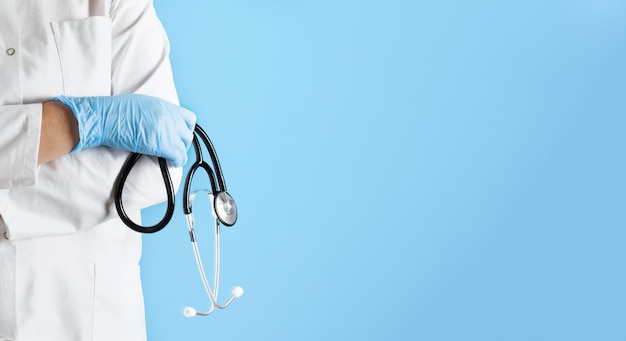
223, 209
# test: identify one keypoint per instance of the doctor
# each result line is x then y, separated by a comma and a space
82, 83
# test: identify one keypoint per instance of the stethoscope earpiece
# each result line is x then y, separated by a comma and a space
189, 312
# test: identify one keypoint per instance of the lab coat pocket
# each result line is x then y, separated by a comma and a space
118, 303
84, 49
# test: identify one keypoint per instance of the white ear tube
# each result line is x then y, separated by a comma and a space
229, 215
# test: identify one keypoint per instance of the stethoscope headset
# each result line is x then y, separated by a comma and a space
223, 209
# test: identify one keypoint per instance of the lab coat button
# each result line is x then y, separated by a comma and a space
10, 51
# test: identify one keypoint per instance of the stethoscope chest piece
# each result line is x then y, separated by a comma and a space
225, 208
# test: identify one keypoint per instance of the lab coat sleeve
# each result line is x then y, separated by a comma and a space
139, 64
140, 51
19, 144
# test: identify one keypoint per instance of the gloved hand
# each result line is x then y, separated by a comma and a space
135, 123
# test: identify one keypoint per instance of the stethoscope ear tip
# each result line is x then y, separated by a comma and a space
237, 291
189, 312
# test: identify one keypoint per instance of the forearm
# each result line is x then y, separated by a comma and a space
59, 131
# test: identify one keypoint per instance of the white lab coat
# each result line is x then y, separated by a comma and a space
68, 266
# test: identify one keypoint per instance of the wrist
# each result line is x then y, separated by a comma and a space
59, 131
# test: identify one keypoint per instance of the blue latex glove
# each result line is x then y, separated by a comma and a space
135, 123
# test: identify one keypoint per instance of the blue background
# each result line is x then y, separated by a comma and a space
404, 170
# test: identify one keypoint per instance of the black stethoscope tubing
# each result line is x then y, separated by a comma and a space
216, 177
